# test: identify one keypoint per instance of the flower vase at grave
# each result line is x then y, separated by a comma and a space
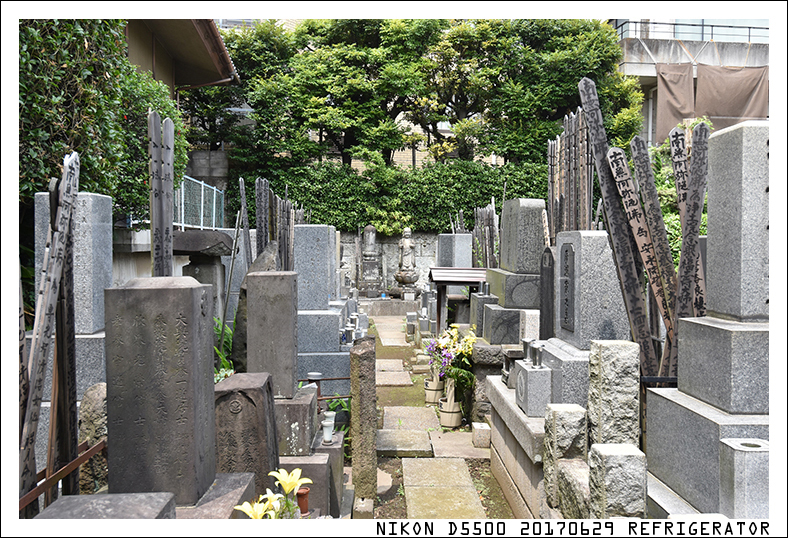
328, 431
302, 497
433, 389
450, 412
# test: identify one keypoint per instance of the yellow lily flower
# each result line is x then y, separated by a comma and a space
289, 481
254, 511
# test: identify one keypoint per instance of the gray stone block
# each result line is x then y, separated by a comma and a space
403, 443
317, 467
564, 438
617, 481
592, 305
573, 488
481, 434
502, 325
160, 401
529, 324
319, 331
227, 491
486, 353
92, 236
314, 259
524, 473
112, 506
272, 328
522, 235
91, 363
336, 459
296, 421
614, 392
532, 388
514, 290
478, 300
725, 363
570, 371
737, 280
683, 443
526, 431
454, 250
744, 478
330, 365
246, 429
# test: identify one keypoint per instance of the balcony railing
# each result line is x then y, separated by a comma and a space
198, 205
693, 31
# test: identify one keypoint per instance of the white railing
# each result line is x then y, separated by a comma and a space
198, 205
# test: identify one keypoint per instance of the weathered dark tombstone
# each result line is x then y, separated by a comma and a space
272, 328
161, 151
547, 290
92, 428
246, 431
160, 402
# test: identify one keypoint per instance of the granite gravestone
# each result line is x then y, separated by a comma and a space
160, 405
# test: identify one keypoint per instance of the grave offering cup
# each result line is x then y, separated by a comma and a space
328, 431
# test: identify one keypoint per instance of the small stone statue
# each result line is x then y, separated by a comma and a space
407, 274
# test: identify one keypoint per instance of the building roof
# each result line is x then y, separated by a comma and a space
198, 51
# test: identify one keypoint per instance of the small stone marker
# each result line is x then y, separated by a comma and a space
363, 417
161, 425
547, 294
246, 430
617, 480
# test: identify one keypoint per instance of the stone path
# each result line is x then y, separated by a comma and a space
436, 479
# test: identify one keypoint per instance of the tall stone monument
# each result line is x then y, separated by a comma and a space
708, 440
160, 410
370, 283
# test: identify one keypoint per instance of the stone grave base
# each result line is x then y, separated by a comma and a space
227, 491
112, 506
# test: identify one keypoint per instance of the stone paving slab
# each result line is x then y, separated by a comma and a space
410, 418
443, 502
391, 330
389, 365
404, 444
420, 369
383, 379
440, 488
456, 445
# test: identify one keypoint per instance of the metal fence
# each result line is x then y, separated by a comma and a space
198, 205
698, 30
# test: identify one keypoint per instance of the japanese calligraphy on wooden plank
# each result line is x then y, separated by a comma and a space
659, 236
44, 324
618, 230
691, 287
645, 244
161, 149
245, 225
261, 213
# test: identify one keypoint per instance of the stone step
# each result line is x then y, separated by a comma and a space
422, 419
440, 488
396, 379
404, 444
389, 365
663, 501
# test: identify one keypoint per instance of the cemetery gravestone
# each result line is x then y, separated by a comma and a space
160, 403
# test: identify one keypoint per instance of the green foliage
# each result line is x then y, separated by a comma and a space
68, 101
140, 93
224, 351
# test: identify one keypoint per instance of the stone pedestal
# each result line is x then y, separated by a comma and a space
744, 478
514, 290
569, 367
532, 388
296, 420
